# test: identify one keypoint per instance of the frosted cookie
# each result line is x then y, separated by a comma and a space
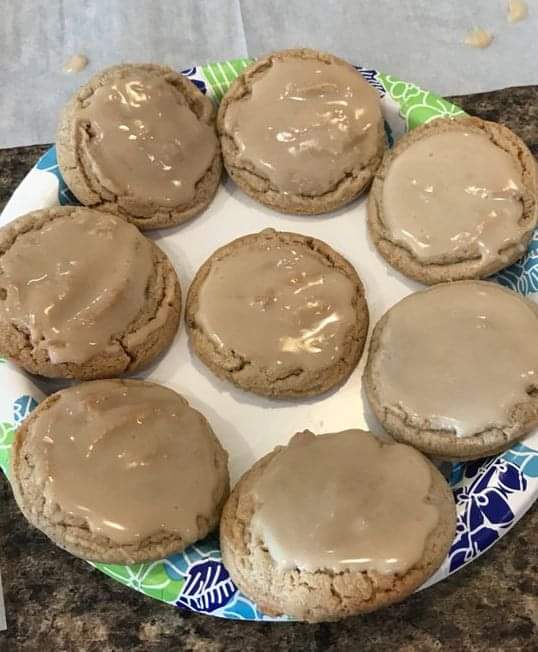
453, 370
278, 314
140, 141
83, 294
119, 471
335, 525
454, 199
301, 131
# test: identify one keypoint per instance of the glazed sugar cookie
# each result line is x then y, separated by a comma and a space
278, 314
336, 525
83, 294
454, 199
119, 471
453, 370
301, 131
139, 141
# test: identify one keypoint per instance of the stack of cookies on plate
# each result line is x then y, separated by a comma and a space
329, 525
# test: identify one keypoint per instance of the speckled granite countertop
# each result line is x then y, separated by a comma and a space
56, 602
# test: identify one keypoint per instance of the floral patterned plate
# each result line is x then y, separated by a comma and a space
491, 494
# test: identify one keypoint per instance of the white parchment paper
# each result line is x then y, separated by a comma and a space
416, 40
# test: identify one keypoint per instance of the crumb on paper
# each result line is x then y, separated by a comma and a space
76, 63
478, 38
517, 10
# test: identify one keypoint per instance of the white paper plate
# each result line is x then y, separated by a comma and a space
491, 494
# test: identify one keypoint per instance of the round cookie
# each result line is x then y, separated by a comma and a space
452, 370
433, 210
348, 528
119, 471
139, 140
84, 295
301, 131
278, 314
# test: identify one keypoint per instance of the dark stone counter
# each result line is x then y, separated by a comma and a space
56, 602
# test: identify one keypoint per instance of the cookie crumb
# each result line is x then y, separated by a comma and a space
76, 64
478, 38
517, 11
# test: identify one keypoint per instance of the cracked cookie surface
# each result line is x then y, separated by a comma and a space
139, 141
452, 369
129, 317
323, 594
436, 230
110, 471
301, 131
278, 314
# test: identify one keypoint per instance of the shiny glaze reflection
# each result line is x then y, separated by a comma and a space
76, 283
455, 195
458, 357
281, 306
344, 501
119, 457
144, 141
306, 124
